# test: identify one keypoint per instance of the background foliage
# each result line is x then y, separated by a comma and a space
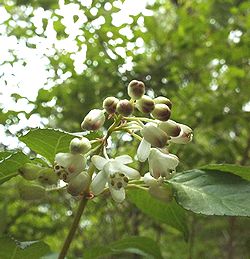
194, 52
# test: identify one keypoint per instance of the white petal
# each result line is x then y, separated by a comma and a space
98, 183
79, 162
124, 159
111, 167
74, 163
149, 180
143, 150
129, 172
63, 159
117, 195
114, 167
161, 164
99, 161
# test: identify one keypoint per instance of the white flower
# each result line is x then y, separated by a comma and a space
161, 164
115, 173
68, 165
152, 135
185, 135
157, 188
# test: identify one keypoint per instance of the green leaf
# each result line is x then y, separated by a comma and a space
10, 165
4, 154
242, 171
212, 193
47, 142
143, 246
169, 213
22, 250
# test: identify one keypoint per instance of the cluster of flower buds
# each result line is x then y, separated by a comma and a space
83, 162
158, 108
68, 167
40, 177
157, 132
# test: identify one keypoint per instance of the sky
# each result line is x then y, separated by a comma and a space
29, 73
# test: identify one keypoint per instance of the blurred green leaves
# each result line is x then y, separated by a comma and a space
143, 246
168, 213
10, 164
13, 249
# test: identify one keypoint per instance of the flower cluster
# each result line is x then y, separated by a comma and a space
88, 170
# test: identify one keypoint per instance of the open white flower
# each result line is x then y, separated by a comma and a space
68, 165
161, 164
115, 173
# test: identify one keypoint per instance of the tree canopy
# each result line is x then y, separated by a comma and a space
76, 53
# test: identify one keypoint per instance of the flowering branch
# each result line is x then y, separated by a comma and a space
87, 169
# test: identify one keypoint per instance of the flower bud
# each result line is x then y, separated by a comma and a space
185, 136
136, 89
170, 127
155, 136
47, 176
31, 192
145, 104
161, 192
79, 184
125, 107
163, 100
78, 146
94, 120
29, 171
109, 104
161, 112
161, 164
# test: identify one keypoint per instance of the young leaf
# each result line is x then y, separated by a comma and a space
143, 246
170, 213
47, 142
10, 165
242, 171
22, 250
212, 193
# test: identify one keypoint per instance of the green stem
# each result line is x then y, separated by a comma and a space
137, 186
73, 228
138, 119
76, 220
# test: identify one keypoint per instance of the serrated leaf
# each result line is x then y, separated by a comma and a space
169, 213
242, 171
10, 165
22, 250
143, 246
212, 193
47, 142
